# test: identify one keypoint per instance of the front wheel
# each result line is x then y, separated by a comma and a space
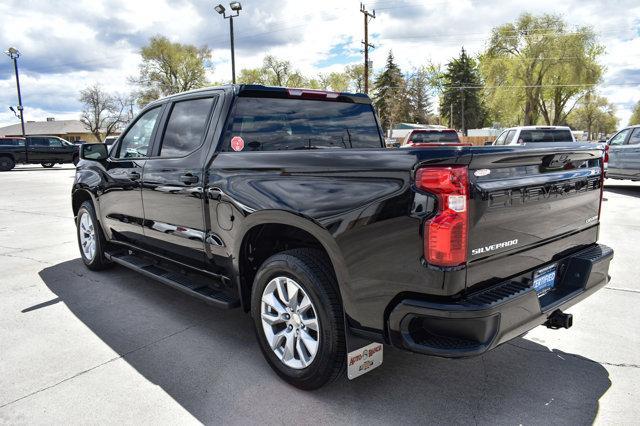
91, 241
298, 318
48, 165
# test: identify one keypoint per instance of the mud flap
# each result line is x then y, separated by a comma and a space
363, 355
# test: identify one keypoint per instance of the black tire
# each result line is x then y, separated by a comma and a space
48, 165
98, 261
6, 164
314, 275
76, 159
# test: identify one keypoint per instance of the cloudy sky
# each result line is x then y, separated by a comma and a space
68, 45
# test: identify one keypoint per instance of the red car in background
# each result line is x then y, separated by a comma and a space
432, 137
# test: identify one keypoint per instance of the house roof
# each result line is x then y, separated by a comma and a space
56, 127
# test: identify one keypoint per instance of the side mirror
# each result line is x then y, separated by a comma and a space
94, 151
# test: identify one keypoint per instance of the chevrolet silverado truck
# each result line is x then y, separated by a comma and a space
44, 150
284, 203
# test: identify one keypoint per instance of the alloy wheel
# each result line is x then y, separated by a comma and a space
87, 236
290, 322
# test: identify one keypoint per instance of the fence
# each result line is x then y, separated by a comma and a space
477, 140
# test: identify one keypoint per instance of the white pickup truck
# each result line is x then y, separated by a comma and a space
536, 135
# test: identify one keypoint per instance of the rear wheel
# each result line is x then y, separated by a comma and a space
91, 241
48, 165
6, 164
298, 318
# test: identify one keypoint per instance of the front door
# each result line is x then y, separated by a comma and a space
121, 201
616, 152
172, 183
631, 159
61, 151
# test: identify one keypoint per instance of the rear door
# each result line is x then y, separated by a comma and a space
38, 149
616, 152
529, 205
172, 184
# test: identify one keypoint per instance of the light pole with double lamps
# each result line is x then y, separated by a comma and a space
14, 54
236, 7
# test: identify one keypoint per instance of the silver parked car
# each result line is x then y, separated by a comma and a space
536, 136
624, 154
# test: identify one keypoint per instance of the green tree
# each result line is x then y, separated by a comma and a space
336, 81
355, 74
461, 90
418, 87
595, 115
635, 116
169, 68
274, 72
252, 76
548, 66
390, 95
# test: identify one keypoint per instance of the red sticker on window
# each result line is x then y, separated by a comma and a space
237, 143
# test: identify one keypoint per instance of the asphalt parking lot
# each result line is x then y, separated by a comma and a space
112, 347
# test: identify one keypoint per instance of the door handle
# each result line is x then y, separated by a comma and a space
133, 175
188, 178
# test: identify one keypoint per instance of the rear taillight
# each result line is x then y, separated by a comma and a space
445, 235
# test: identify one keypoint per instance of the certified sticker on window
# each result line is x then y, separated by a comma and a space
364, 360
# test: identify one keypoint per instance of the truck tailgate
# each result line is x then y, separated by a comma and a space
529, 206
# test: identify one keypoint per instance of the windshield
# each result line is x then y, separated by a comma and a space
273, 124
435, 136
545, 135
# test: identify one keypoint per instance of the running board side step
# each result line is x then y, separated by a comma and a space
192, 285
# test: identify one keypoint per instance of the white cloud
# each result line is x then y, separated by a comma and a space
67, 45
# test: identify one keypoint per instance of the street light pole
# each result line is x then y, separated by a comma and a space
14, 54
233, 52
236, 7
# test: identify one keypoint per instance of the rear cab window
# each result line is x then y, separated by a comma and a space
545, 135
435, 136
277, 124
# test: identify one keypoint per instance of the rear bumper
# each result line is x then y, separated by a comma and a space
487, 318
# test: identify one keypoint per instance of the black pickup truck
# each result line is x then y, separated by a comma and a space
285, 203
45, 150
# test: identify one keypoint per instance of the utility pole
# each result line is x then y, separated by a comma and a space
367, 16
451, 115
462, 113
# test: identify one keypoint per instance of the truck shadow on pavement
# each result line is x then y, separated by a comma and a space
630, 190
207, 360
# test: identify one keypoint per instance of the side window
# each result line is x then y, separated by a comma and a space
619, 138
501, 138
39, 142
55, 142
635, 137
135, 143
510, 137
186, 127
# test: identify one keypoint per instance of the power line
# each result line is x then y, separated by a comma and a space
531, 86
